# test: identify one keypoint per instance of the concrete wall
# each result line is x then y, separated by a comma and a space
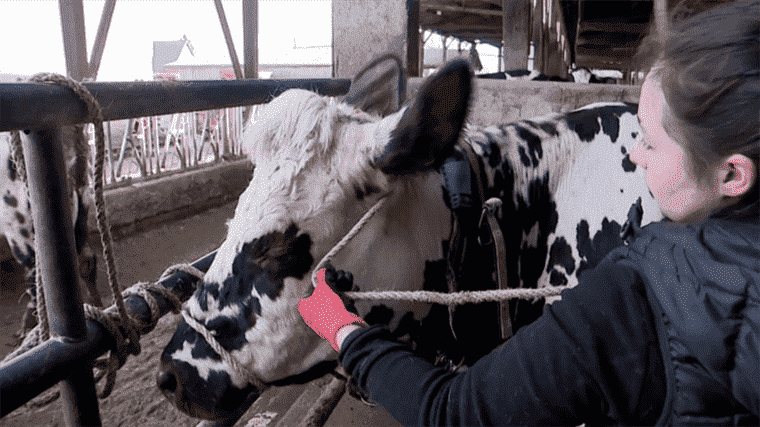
363, 30
500, 101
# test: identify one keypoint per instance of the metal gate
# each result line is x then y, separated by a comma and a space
41, 110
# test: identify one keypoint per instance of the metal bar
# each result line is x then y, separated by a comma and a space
74, 41
100, 39
34, 372
228, 39
34, 106
251, 38
55, 256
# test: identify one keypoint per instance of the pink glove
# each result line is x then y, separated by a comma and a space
325, 312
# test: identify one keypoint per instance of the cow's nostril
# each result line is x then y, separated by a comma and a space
166, 382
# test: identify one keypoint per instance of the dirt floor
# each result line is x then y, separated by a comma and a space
136, 401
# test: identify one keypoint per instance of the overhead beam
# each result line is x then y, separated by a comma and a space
611, 27
428, 6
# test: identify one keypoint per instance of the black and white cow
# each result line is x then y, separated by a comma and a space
566, 182
16, 217
522, 75
584, 75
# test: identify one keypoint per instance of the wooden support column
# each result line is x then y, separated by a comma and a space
251, 38
413, 38
537, 34
515, 29
661, 16
74, 40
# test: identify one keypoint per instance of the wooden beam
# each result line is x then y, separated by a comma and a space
228, 39
74, 40
611, 27
432, 6
251, 38
413, 61
516, 21
100, 39
661, 16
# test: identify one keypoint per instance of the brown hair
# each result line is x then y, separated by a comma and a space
708, 65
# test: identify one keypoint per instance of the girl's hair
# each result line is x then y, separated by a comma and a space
708, 66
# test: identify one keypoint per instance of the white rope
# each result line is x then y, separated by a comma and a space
458, 298
344, 241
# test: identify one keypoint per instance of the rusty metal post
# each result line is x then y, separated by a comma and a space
56, 258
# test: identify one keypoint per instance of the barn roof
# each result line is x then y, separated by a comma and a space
602, 34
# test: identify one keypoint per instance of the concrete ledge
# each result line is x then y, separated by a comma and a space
501, 101
143, 205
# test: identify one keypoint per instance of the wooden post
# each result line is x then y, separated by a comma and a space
74, 40
251, 38
413, 38
515, 24
661, 17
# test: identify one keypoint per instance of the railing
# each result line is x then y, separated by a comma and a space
43, 109
148, 147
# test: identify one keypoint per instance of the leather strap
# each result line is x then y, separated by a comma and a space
492, 209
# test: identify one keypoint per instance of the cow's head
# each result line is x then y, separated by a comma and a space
320, 165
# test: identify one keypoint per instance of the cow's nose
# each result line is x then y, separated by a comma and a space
166, 382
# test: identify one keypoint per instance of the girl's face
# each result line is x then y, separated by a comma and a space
680, 197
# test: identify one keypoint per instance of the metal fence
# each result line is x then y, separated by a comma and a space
42, 110
148, 147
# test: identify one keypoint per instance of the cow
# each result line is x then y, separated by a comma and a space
566, 182
584, 75
522, 75
16, 218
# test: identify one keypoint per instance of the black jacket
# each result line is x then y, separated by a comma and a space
623, 347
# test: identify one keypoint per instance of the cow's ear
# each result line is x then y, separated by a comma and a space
428, 130
380, 87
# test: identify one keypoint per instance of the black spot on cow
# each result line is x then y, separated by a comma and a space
364, 191
26, 259
12, 175
278, 255
556, 278
379, 315
24, 232
230, 331
586, 123
593, 249
10, 200
203, 293
491, 151
627, 164
20, 218
531, 152
561, 254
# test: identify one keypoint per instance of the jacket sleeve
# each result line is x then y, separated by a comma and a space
592, 357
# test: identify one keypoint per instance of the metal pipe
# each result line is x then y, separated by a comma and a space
31, 105
34, 372
55, 256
